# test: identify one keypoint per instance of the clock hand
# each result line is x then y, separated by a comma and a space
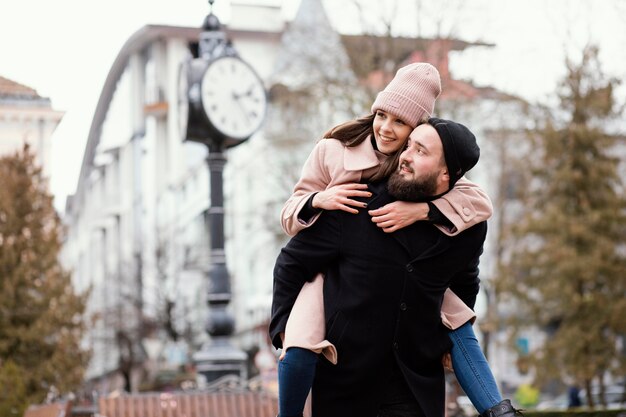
236, 98
247, 93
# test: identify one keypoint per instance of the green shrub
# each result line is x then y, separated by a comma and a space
527, 395
13, 397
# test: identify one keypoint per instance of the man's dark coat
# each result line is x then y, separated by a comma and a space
382, 298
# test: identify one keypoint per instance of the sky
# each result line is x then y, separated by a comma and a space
65, 48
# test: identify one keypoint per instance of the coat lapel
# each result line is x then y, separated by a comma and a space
360, 157
439, 246
380, 197
406, 236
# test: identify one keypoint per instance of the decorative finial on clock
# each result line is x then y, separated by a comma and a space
211, 22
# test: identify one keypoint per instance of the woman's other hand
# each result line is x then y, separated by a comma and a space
399, 214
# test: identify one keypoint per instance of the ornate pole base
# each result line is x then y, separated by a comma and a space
219, 358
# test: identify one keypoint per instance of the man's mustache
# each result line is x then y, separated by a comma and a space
405, 165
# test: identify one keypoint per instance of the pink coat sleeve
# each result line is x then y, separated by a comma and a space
315, 177
465, 205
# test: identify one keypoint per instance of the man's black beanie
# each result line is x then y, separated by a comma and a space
460, 149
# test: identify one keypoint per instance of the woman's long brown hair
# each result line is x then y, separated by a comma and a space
354, 132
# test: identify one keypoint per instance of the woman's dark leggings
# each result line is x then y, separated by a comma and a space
295, 378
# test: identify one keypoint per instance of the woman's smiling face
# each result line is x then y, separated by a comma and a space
390, 132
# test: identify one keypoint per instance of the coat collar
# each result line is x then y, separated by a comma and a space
360, 157
380, 197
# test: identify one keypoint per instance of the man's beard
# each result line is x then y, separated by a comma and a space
420, 189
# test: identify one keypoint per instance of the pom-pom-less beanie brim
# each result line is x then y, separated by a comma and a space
411, 94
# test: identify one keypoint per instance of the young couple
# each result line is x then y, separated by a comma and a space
341, 289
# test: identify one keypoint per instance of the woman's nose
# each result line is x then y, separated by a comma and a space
386, 126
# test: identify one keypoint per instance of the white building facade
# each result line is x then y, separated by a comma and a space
26, 118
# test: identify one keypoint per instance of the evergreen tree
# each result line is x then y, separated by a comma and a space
41, 317
567, 271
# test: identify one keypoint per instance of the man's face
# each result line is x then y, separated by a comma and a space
422, 172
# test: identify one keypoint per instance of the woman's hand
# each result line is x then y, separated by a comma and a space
399, 214
446, 361
339, 197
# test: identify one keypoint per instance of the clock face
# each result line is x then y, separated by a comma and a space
233, 98
183, 98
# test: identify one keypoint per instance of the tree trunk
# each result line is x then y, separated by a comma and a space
602, 390
589, 396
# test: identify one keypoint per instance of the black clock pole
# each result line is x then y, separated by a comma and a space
219, 357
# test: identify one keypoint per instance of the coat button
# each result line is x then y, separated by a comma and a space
403, 306
409, 268
466, 211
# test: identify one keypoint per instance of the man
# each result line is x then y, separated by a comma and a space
383, 291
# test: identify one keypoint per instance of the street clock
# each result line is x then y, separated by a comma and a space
222, 100
233, 98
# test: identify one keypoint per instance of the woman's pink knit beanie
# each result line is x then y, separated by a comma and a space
411, 94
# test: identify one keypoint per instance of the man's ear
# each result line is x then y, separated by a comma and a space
444, 180
445, 176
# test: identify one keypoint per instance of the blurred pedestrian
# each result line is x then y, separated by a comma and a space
573, 397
